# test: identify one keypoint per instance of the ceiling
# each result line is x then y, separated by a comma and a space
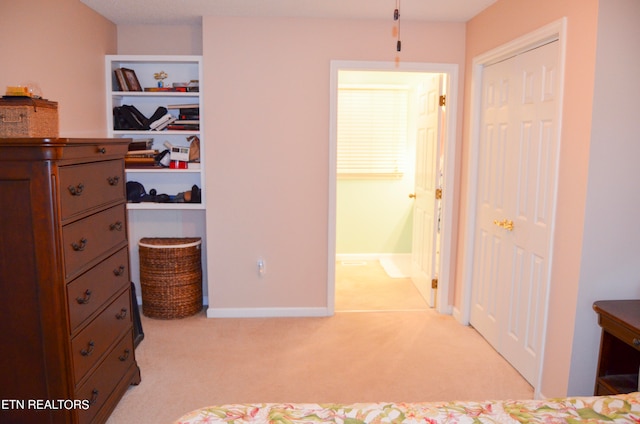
190, 11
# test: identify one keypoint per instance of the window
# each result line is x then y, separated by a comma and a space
372, 131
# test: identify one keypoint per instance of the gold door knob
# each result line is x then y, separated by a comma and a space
412, 196
506, 224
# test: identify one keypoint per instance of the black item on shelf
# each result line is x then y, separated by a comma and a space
128, 117
159, 113
135, 192
163, 158
196, 194
154, 197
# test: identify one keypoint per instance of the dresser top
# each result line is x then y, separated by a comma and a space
56, 142
30, 149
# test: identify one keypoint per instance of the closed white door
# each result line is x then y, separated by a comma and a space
424, 247
516, 200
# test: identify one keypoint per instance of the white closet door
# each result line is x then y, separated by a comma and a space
517, 179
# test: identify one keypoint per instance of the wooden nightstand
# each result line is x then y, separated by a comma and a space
619, 359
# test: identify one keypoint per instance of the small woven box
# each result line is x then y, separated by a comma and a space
27, 117
170, 277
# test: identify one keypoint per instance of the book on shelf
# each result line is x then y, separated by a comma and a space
186, 121
183, 127
187, 112
127, 80
121, 83
162, 123
141, 153
135, 162
186, 106
141, 144
166, 89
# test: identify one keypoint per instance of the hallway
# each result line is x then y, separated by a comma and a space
364, 286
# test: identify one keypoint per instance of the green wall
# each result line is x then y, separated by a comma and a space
374, 216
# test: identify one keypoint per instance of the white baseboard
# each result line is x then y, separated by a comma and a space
397, 265
267, 312
370, 256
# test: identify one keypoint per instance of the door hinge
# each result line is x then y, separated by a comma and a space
438, 193
434, 283
443, 100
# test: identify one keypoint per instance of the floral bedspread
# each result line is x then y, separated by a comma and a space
595, 409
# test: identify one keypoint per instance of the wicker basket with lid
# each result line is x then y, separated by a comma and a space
27, 117
170, 277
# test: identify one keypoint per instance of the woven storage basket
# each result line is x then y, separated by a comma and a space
26, 117
170, 277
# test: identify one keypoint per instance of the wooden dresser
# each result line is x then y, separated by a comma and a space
67, 349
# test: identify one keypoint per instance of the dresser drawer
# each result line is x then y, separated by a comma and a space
89, 185
106, 377
97, 338
91, 237
87, 293
620, 331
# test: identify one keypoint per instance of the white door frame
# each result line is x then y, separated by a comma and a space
553, 31
443, 302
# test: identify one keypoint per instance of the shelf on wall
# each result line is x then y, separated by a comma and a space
154, 133
162, 170
165, 206
156, 93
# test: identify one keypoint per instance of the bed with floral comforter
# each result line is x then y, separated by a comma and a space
595, 409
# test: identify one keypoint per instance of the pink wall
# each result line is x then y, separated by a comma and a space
267, 108
160, 39
610, 268
60, 46
503, 22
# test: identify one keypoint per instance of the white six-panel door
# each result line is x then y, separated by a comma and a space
516, 194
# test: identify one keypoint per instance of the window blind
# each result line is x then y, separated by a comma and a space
372, 131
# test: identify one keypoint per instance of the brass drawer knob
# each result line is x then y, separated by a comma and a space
90, 347
77, 190
79, 247
85, 299
125, 356
122, 314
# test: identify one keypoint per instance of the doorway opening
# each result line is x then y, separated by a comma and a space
400, 189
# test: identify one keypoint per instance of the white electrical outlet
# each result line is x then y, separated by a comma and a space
262, 267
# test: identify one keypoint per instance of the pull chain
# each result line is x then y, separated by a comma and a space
396, 17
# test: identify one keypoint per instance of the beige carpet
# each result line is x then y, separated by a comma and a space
415, 355
364, 286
